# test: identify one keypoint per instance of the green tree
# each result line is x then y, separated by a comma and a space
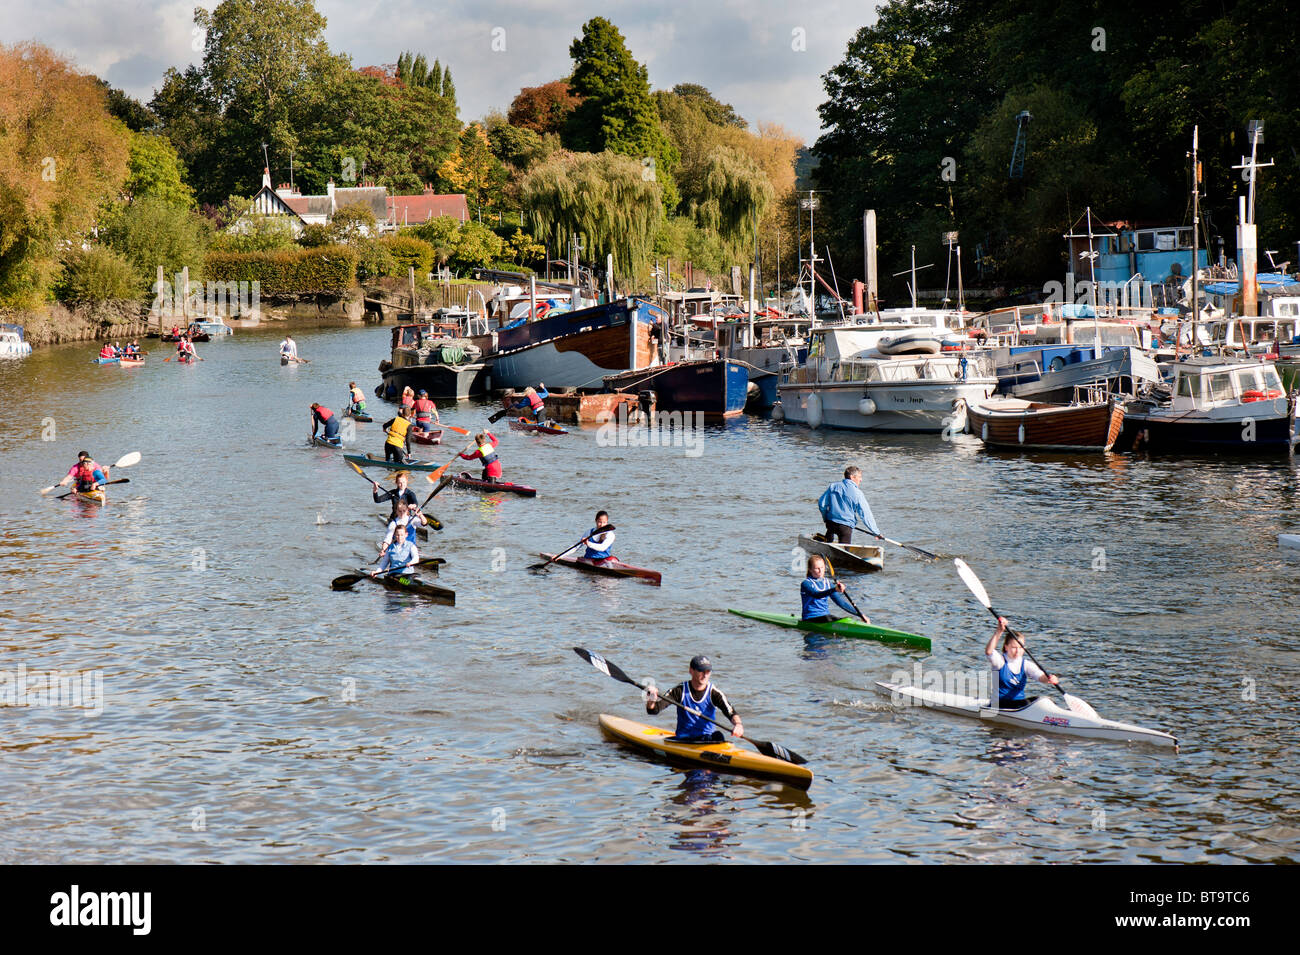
413, 71
715, 111
475, 171
97, 274
351, 224
135, 115
150, 231
155, 170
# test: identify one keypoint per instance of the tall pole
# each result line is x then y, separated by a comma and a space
1092, 291
812, 255
1196, 233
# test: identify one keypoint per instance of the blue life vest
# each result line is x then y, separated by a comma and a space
591, 553
690, 726
1011, 686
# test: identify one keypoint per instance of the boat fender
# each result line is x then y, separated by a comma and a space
814, 411
1022, 433
778, 413
866, 407
1260, 395
984, 432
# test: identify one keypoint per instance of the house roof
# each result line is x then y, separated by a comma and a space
422, 208
308, 205
374, 197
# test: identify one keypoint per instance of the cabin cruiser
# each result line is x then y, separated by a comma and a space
12, 342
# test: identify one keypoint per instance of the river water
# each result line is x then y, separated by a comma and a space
251, 714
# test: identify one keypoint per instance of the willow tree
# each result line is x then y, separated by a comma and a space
605, 197
730, 194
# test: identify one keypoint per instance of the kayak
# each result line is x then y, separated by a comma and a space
369, 460
845, 558
357, 416
185, 359
426, 437
410, 584
105, 361
844, 627
610, 566
723, 757
93, 497
465, 479
130, 362
1040, 716
523, 424
323, 443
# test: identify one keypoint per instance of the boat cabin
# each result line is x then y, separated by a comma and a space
1202, 383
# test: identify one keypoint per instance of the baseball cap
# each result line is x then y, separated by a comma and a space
701, 664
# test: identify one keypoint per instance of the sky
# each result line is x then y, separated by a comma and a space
764, 57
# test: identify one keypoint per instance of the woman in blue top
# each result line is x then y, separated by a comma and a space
1012, 668
600, 546
817, 592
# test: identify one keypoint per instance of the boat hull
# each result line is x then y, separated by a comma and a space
407, 584
1036, 426
722, 757
576, 349
448, 382
93, 497
465, 479
1261, 427
844, 627
609, 568
716, 388
846, 558
370, 461
521, 424
899, 406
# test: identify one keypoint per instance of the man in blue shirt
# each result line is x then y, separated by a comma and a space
843, 506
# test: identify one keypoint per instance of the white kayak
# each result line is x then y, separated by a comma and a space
1040, 716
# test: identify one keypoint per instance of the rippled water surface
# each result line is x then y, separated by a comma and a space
229, 731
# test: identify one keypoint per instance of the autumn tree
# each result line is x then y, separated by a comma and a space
475, 171
543, 109
62, 156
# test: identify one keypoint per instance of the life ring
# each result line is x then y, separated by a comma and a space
1056, 364
1254, 395
541, 310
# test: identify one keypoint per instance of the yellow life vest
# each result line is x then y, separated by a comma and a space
397, 433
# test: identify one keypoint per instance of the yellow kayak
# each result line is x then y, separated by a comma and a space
93, 497
723, 757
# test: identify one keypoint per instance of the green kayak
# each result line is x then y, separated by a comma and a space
844, 627
370, 461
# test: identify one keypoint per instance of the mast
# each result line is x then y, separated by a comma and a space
1092, 290
1196, 234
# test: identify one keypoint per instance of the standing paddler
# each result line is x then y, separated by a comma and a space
356, 399
398, 441
1012, 669
699, 693
323, 417
843, 506
816, 592
533, 402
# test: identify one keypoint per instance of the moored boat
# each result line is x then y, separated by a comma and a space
1041, 715
610, 567
853, 558
465, 479
844, 627
426, 437
722, 757
1040, 426
13, 343
716, 388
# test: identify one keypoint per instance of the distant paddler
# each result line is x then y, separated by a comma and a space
356, 399
323, 417
425, 411
408, 397
532, 403
397, 444
843, 506
1012, 669
87, 474
816, 592
600, 544
400, 555
288, 350
485, 450
699, 694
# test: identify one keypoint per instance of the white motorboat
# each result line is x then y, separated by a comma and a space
12, 342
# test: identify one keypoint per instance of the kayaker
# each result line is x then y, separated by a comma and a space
408, 518
289, 348
817, 592
401, 492
323, 417
408, 397
106, 351
532, 402
398, 557
843, 506
600, 546
1013, 669
398, 443
426, 412
356, 399
485, 445
87, 474
701, 695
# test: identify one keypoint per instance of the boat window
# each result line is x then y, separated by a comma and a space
1271, 380
1146, 241
1221, 386
1189, 386
1248, 379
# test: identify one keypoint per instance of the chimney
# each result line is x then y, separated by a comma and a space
266, 178
284, 189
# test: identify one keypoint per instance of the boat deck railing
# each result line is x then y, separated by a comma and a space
887, 370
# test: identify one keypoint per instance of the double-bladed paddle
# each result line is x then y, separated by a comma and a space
775, 750
346, 581
919, 551
973, 584
499, 415
105, 484
436, 476
433, 521
125, 461
546, 563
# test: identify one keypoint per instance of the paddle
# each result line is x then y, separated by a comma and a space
499, 415
775, 750
436, 476
441, 484
433, 521
545, 563
973, 584
424, 563
920, 552
125, 461
452, 427
105, 484
830, 569
344, 581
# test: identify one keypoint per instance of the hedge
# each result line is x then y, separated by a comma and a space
328, 270
410, 252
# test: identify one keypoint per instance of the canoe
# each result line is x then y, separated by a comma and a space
357, 416
421, 532
1288, 541
322, 443
426, 437
522, 424
465, 479
130, 362
611, 567
846, 558
370, 461
93, 497
844, 627
1040, 716
405, 583
1041, 426
186, 359
105, 361
723, 757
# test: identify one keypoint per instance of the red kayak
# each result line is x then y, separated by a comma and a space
464, 479
523, 424
610, 566
426, 437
